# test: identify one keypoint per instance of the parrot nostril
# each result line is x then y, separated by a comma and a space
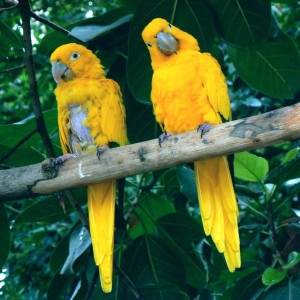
58, 60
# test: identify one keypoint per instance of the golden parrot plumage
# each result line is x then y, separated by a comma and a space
188, 90
90, 115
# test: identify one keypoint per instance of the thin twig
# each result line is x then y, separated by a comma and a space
12, 69
37, 109
49, 23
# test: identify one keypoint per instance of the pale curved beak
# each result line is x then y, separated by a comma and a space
61, 72
167, 44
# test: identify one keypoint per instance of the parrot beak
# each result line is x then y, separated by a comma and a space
167, 44
61, 72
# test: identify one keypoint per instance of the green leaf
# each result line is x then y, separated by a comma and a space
249, 287
200, 25
4, 235
89, 31
293, 259
186, 178
180, 231
8, 37
60, 253
243, 23
79, 241
58, 286
274, 65
48, 210
104, 25
291, 291
23, 134
153, 268
282, 173
150, 207
250, 167
272, 276
292, 154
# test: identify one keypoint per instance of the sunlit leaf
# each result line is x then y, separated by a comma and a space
272, 276
250, 167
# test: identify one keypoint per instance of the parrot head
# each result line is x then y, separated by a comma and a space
164, 39
72, 61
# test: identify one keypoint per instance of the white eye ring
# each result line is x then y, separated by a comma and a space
169, 26
149, 44
74, 56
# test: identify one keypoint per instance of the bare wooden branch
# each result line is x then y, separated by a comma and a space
240, 135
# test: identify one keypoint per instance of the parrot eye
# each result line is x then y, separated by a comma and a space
74, 56
149, 44
169, 26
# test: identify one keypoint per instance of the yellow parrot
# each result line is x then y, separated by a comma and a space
189, 91
90, 115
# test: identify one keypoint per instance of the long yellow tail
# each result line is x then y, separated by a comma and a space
101, 206
218, 207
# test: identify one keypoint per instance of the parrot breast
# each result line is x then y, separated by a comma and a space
80, 135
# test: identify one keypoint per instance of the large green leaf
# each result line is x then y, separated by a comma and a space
8, 36
4, 235
290, 291
180, 231
25, 144
243, 23
250, 167
150, 207
272, 68
48, 210
249, 287
154, 269
200, 25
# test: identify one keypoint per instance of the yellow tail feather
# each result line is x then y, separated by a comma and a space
101, 206
218, 207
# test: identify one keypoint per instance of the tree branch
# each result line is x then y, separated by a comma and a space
40, 122
240, 135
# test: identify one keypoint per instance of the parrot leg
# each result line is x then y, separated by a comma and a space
162, 137
203, 128
100, 150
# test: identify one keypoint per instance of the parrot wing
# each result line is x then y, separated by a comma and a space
216, 86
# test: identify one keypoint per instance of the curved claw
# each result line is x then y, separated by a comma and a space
59, 161
162, 137
100, 150
204, 128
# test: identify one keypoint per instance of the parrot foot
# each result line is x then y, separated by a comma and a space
203, 128
59, 161
100, 150
162, 137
